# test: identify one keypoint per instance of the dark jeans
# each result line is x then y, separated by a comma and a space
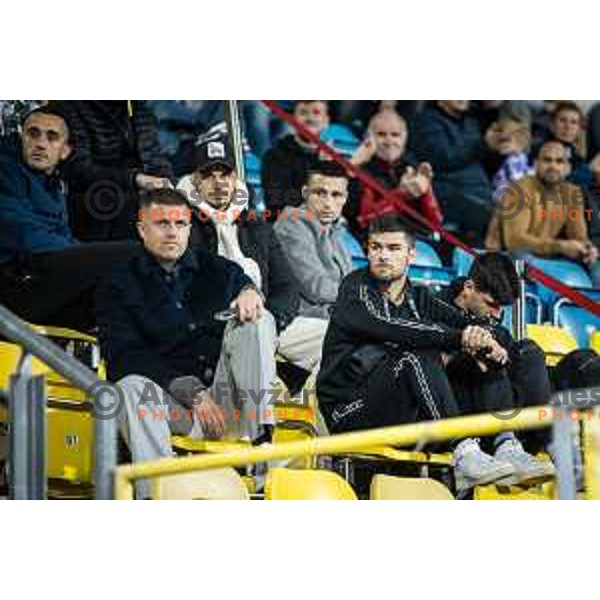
58, 288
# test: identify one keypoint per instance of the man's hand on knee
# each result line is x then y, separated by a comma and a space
249, 306
211, 416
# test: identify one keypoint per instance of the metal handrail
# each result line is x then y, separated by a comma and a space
403, 435
105, 442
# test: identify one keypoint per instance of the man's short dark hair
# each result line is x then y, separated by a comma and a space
165, 196
537, 150
53, 111
569, 105
392, 224
326, 168
495, 274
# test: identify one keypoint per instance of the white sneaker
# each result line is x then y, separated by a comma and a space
528, 469
472, 466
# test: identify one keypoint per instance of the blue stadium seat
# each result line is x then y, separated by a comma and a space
252, 164
580, 322
461, 262
427, 268
359, 260
565, 271
426, 255
533, 312
341, 139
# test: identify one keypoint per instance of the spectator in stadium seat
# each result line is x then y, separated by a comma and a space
222, 224
489, 288
544, 215
383, 157
447, 137
285, 165
115, 155
311, 239
384, 355
510, 140
568, 126
162, 330
46, 276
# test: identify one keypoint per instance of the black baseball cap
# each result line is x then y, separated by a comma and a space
214, 153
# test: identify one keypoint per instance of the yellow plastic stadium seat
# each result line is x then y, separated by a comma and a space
290, 484
493, 492
595, 341
200, 446
216, 484
70, 422
554, 341
386, 487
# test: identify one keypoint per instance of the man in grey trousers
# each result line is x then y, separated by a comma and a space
186, 338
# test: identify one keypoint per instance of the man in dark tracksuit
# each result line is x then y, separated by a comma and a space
491, 284
384, 356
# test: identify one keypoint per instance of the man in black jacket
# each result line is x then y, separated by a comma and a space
161, 318
285, 165
384, 355
445, 135
222, 224
116, 154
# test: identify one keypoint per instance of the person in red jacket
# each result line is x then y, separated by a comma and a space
383, 156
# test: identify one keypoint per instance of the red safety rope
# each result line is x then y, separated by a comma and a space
533, 272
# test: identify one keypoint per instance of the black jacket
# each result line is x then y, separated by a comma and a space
455, 148
109, 149
363, 317
258, 241
284, 169
160, 329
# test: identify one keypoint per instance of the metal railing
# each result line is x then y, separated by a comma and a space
27, 412
402, 435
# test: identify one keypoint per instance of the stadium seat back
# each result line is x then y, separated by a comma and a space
426, 255
580, 323
353, 247
569, 273
70, 432
216, 484
252, 165
461, 262
427, 269
291, 484
387, 487
555, 342
341, 138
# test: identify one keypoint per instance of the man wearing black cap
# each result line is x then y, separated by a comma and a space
223, 225
46, 275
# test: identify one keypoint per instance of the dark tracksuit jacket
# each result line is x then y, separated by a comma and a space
367, 330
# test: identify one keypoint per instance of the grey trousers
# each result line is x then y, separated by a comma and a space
241, 387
